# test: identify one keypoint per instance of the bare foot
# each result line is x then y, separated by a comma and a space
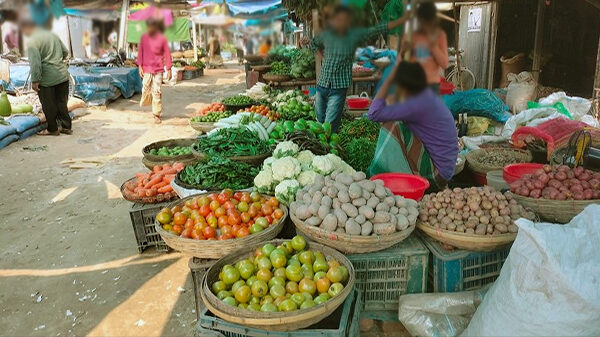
48, 133
157, 120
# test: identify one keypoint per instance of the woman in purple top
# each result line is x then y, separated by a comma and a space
418, 134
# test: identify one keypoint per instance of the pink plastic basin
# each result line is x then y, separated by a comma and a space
513, 172
407, 185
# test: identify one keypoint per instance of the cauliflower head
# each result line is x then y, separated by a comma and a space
286, 149
268, 162
285, 192
285, 168
307, 177
305, 158
322, 165
263, 182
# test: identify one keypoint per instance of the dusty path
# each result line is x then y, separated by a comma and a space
70, 264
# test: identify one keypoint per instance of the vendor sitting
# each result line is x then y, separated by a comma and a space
418, 134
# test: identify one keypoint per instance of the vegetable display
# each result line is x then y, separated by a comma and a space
559, 182
264, 111
217, 107
293, 105
307, 141
474, 210
155, 182
352, 204
495, 159
232, 142
261, 125
282, 53
171, 151
259, 91
211, 117
290, 169
238, 100
219, 173
223, 216
281, 279
322, 132
198, 64
279, 68
303, 64
359, 128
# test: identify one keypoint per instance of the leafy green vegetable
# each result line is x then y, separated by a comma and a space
232, 142
303, 64
238, 100
359, 152
358, 128
219, 173
279, 68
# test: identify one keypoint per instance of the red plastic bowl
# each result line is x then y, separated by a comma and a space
358, 103
407, 185
513, 172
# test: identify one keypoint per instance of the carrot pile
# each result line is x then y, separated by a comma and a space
155, 182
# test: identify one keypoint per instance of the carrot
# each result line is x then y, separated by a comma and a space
140, 175
170, 171
157, 168
165, 189
155, 180
161, 184
141, 192
151, 192
169, 177
166, 166
178, 166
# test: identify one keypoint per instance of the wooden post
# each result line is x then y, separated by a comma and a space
456, 28
539, 39
493, 37
123, 26
194, 43
316, 31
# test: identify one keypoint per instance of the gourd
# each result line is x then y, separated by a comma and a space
5, 109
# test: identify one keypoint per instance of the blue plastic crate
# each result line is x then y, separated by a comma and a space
341, 323
461, 270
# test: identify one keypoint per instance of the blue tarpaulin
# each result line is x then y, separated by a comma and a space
252, 7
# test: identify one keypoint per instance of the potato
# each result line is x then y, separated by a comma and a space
336, 204
326, 201
332, 192
359, 176
319, 179
360, 219
366, 228
402, 222
302, 212
404, 211
307, 198
366, 194
400, 201
490, 229
367, 185
480, 230
352, 227
394, 210
340, 186
350, 210
313, 221
343, 196
341, 216
512, 228
324, 190
359, 202
355, 191
451, 226
314, 208
378, 182
323, 211
412, 218
470, 231
373, 202
340, 230
460, 228
329, 223
381, 217
366, 211
317, 196
380, 192
382, 207
299, 194
501, 228
384, 228
344, 179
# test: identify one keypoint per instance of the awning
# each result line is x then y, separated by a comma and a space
95, 14
179, 31
252, 6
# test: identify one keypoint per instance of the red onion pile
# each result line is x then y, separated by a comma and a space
559, 182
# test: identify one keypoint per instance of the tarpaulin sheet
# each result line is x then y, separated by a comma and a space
179, 31
252, 7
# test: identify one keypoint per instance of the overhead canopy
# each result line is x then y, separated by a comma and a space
95, 14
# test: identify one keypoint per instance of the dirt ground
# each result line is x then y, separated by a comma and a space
70, 264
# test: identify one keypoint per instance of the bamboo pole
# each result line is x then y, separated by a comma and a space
456, 28
194, 43
123, 26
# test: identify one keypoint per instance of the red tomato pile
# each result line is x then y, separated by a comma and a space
217, 107
221, 216
264, 111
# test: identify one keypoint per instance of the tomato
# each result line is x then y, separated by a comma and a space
228, 205
179, 219
189, 224
196, 235
255, 196
209, 232
262, 222
243, 206
212, 196
273, 202
245, 217
228, 192
222, 198
203, 201
176, 209
204, 210
164, 217
166, 210
214, 205
233, 219
242, 232
191, 203
220, 212
235, 228
222, 221
253, 210
212, 221
226, 230
278, 213
269, 219
237, 196
246, 197
184, 233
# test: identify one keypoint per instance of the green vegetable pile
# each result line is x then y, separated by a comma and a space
238, 100
358, 139
303, 65
219, 173
171, 151
282, 53
321, 132
295, 109
198, 64
232, 142
211, 117
279, 68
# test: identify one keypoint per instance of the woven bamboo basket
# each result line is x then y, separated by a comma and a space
254, 58
146, 200
381, 64
150, 164
555, 211
460, 164
187, 186
517, 156
213, 249
472, 242
253, 160
274, 321
202, 127
261, 67
362, 73
276, 78
351, 244
168, 143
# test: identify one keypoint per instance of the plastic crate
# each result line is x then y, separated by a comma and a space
461, 270
383, 276
341, 323
198, 268
142, 219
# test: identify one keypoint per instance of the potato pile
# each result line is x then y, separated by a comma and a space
474, 210
352, 204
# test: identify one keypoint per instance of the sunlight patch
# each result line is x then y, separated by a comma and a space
62, 195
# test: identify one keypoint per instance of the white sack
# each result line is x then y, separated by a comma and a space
529, 117
472, 143
549, 284
521, 90
577, 106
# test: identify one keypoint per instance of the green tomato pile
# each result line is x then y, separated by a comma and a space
211, 117
238, 100
283, 278
171, 151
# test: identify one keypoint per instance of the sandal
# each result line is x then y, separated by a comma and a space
66, 131
49, 133
157, 120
